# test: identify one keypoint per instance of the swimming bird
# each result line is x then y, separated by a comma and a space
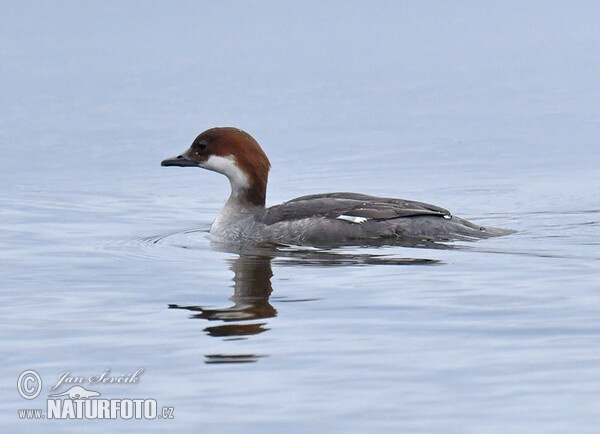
319, 219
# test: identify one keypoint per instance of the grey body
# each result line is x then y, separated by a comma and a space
326, 219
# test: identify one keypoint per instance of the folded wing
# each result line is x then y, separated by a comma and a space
351, 207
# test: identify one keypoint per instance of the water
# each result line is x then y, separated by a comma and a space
491, 112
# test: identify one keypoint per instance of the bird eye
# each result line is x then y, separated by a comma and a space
201, 146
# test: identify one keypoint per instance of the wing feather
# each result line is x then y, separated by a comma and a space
333, 205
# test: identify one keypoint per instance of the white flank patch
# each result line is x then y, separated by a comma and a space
352, 219
228, 167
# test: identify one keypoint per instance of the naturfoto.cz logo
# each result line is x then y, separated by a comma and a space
78, 402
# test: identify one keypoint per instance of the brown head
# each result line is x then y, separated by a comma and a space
235, 154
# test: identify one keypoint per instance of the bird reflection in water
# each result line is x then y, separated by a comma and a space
252, 289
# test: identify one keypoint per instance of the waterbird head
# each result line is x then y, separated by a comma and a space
235, 154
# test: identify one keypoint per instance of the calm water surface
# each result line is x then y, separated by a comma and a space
107, 261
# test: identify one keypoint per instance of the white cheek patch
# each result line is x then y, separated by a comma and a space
228, 167
352, 219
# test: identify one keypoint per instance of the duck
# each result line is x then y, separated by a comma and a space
327, 219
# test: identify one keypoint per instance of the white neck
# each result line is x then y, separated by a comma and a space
228, 167
231, 218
